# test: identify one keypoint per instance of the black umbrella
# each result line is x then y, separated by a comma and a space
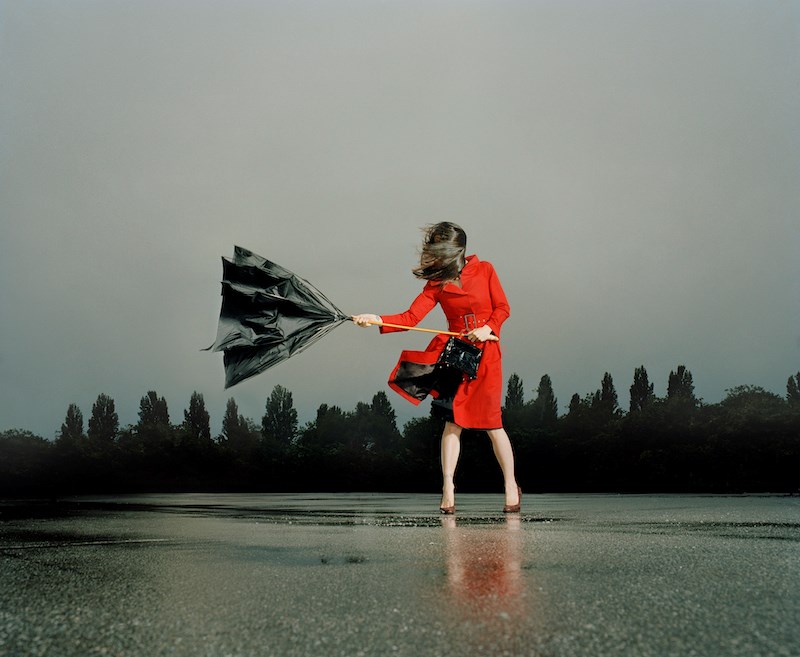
269, 314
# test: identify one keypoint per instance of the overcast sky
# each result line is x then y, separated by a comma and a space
631, 169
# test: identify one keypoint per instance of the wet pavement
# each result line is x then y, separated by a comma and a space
328, 575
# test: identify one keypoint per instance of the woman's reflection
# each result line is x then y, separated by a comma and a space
484, 569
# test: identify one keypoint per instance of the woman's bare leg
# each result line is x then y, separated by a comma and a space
505, 457
451, 449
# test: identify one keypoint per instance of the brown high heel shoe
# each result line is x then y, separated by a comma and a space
449, 510
514, 508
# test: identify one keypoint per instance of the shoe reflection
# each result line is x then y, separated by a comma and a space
484, 569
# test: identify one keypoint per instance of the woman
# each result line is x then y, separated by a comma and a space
475, 305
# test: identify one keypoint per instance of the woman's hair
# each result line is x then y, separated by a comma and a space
443, 253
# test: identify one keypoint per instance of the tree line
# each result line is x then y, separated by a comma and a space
748, 442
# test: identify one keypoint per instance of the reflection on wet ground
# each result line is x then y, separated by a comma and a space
484, 571
387, 575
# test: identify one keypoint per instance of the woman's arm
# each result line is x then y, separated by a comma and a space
501, 310
420, 307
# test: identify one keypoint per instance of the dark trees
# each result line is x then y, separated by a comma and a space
71, 434
197, 421
328, 430
279, 422
515, 395
239, 435
641, 391
793, 390
25, 463
103, 423
153, 433
515, 414
680, 387
545, 405
750, 441
539, 413
376, 424
382, 407
606, 400
153, 411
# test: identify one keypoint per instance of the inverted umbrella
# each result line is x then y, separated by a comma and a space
269, 314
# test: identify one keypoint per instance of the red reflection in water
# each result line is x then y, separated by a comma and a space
484, 569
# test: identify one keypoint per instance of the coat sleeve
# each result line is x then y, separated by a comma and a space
420, 307
500, 307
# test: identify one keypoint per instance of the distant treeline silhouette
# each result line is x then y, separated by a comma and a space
748, 442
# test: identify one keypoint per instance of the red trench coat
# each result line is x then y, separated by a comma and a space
480, 300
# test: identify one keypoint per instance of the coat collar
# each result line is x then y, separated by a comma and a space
471, 266
470, 269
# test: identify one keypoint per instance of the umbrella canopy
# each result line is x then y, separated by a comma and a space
268, 314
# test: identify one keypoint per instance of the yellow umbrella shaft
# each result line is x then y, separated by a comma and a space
415, 328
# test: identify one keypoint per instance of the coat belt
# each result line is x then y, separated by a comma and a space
465, 323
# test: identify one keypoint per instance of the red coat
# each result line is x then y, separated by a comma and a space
477, 402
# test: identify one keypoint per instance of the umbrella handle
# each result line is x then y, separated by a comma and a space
415, 328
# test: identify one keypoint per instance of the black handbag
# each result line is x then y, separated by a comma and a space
461, 355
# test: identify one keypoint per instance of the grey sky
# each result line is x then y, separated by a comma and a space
630, 168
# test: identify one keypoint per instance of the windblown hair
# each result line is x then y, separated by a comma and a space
443, 253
